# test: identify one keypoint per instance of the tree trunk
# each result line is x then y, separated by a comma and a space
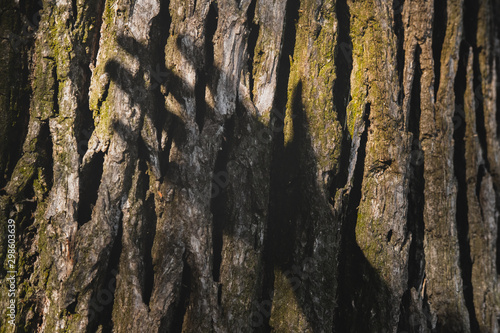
250, 166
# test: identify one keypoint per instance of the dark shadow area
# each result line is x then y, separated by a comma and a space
294, 194
498, 234
359, 284
31, 8
84, 122
30, 307
199, 91
240, 144
294, 204
341, 94
397, 6
202, 73
151, 102
301, 207
19, 33
416, 260
90, 178
163, 120
438, 35
252, 42
24, 19
277, 180
210, 27
184, 298
94, 46
148, 230
159, 33
288, 201
470, 19
460, 169
497, 62
102, 299
16, 119
218, 202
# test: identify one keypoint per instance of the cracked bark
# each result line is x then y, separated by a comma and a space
251, 166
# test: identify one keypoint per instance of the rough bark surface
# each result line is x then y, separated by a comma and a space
250, 166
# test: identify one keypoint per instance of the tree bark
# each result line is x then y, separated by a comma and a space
250, 166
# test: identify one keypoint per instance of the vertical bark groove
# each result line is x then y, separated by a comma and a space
459, 160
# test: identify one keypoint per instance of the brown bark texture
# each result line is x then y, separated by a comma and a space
249, 166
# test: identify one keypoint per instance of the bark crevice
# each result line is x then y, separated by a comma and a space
149, 228
459, 163
412, 299
90, 179
342, 93
277, 174
159, 34
183, 300
102, 300
439, 27
218, 202
352, 263
398, 6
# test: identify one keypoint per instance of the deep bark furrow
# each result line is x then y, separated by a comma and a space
350, 278
148, 231
248, 165
466, 215
312, 138
341, 98
18, 25
129, 272
440, 22
416, 25
218, 203
480, 271
489, 88
380, 231
483, 162
90, 178
253, 36
280, 62
443, 274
